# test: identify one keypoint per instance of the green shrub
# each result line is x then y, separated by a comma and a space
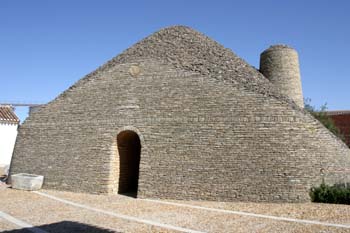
336, 194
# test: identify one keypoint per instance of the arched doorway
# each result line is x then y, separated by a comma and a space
129, 148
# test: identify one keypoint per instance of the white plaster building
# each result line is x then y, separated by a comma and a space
8, 133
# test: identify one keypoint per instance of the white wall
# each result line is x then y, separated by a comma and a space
8, 134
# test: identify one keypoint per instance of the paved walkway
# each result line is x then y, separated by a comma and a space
53, 211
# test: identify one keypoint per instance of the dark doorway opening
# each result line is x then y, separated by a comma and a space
129, 148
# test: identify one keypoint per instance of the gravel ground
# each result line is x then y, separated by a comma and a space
6, 226
310, 211
54, 216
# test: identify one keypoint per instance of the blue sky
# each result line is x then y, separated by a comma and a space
46, 46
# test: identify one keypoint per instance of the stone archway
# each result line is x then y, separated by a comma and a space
129, 150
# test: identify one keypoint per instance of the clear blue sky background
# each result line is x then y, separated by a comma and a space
46, 46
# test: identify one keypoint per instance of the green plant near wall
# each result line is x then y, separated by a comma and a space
321, 115
336, 194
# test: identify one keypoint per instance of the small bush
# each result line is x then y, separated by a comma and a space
336, 194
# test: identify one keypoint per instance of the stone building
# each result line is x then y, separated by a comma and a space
179, 116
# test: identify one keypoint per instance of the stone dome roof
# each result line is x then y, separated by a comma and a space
188, 49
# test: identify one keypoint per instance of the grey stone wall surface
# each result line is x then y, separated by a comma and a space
280, 64
211, 128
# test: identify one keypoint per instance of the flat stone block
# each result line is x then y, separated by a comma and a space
29, 182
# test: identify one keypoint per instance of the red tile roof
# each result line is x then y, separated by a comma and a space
7, 115
338, 112
342, 120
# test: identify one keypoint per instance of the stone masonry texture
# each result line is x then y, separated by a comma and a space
211, 127
280, 64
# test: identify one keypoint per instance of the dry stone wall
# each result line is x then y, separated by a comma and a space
202, 138
280, 64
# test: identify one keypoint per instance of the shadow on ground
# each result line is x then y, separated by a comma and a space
64, 226
129, 194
